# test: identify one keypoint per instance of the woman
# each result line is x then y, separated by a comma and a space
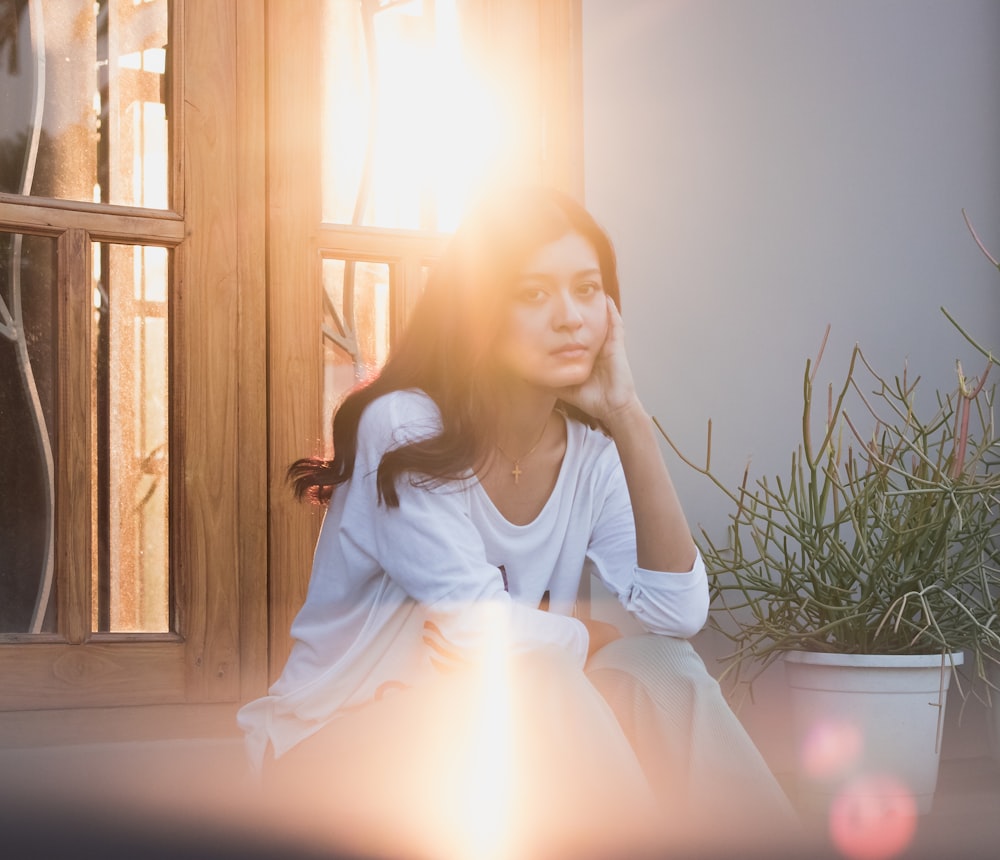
501, 455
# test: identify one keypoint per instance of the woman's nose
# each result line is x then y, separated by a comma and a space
568, 314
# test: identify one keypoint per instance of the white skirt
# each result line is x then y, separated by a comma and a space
524, 758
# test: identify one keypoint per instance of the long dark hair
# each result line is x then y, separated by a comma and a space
446, 349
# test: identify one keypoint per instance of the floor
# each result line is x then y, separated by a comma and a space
963, 823
965, 820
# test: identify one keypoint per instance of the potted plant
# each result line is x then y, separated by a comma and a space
874, 549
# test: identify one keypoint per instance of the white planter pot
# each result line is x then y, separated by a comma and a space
867, 727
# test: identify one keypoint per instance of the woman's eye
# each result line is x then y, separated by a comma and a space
531, 295
588, 288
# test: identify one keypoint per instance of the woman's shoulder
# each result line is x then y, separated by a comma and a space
402, 415
590, 444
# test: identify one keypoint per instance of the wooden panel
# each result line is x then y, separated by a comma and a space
65, 676
252, 427
294, 300
104, 223
206, 314
74, 434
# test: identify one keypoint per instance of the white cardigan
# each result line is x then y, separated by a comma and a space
396, 593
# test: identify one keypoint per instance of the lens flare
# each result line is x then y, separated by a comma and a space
873, 818
831, 749
487, 765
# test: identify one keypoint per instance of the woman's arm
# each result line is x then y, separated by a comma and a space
671, 603
663, 537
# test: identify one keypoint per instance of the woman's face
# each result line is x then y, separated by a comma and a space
557, 318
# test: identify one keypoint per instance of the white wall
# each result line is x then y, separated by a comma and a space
766, 167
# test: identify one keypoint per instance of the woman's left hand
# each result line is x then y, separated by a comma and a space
610, 388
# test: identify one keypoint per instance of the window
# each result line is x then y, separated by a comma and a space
124, 308
90, 126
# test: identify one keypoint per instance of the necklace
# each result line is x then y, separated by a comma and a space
517, 471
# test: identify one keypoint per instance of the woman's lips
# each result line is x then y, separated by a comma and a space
573, 350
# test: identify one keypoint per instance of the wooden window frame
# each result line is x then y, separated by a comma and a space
80, 685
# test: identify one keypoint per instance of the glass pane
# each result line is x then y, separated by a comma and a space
27, 433
83, 88
412, 162
356, 298
131, 383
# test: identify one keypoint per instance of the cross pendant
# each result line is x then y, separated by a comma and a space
516, 472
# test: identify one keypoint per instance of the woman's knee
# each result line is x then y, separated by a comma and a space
650, 652
660, 669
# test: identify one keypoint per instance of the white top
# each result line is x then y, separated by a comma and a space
396, 593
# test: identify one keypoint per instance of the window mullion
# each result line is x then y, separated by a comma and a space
75, 483
407, 286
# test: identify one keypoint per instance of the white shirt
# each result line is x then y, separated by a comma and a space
395, 593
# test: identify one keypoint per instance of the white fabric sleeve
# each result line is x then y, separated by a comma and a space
430, 547
671, 603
